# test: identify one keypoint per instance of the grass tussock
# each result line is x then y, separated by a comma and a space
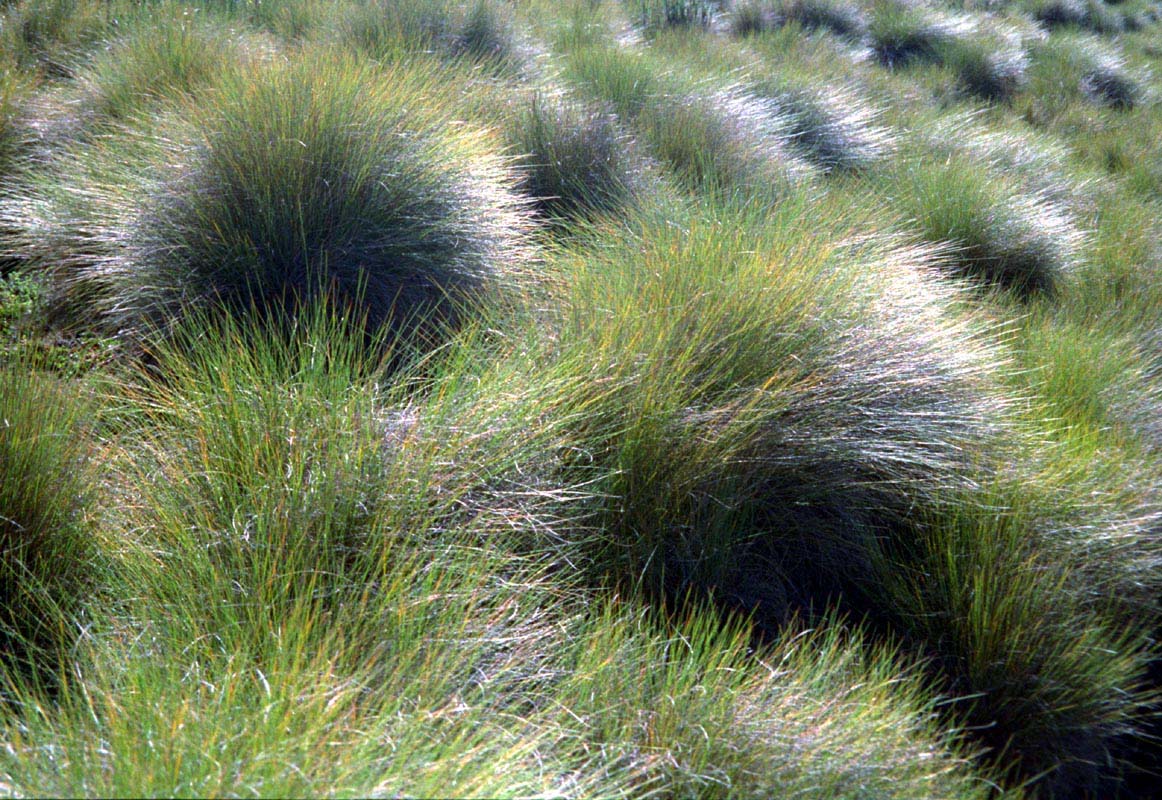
841, 18
817, 418
158, 59
835, 127
901, 34
719, 138
1021, 242
482, 31
318, 177
657, 15
49, 567
576, 160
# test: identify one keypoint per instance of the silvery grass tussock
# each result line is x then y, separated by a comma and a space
321, 176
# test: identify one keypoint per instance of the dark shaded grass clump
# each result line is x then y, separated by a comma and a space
1094, 15
835, 128
901, 34
48, 565
1019, 241
989, 67
763, 439
722, 140
575, 161
53, 36
656, 15
789, 426
482, 31
318, 177
751, 17
1057, 693
992, 71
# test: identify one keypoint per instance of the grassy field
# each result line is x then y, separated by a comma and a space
581, 398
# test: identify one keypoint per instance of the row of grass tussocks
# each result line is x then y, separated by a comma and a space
588, 398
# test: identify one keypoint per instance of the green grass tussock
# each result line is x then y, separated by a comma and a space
834, 127
1049, 690
1021, 242
318, 177
49, 556
576, 161
901, 34
719, 138
482, 31
765, 462
655, 15
158, 59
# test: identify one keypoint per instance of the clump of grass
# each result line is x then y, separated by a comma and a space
1093, 15
726, 140
834, 127
1107, 82
841, 18
760, 438
160, 58
757, 16
14, 90
54, 35
1022, 242
487, 33
1038, 164
751, 17
1067, 71
901, 34
318, 177
48, 566
483, 31
1051, 690
655, 15
991, 70
721, 139
576, 161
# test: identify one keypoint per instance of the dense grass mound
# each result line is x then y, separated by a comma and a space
159, 58
657, 15
901, 34
834, 127
482, 31
766, 465
316, 178
573, 399
1021, 242
47, 562
576, 161
717, 137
